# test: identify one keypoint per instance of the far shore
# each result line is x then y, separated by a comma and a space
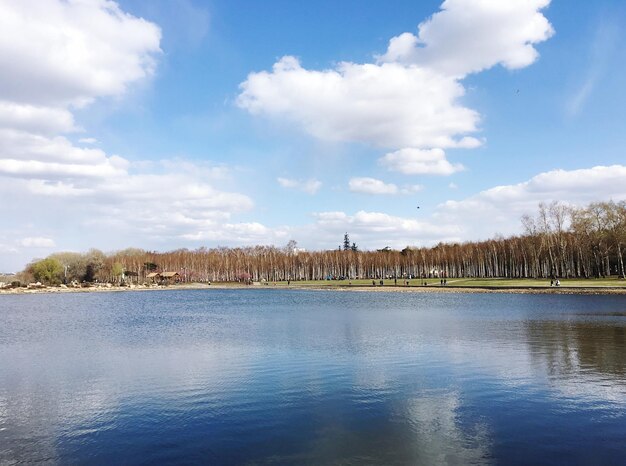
321, 286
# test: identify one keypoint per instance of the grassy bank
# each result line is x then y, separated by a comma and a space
612, 282
582, 286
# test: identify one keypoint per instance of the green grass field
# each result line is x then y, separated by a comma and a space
574, 282
454, 282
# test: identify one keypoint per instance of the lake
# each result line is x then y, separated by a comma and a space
312, 377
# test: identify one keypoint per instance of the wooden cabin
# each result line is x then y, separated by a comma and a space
170, 277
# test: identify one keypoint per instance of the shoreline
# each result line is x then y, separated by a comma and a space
598, 290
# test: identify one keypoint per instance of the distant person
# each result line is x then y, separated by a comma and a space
373, 283
557, 283
551, 282
381, 283
395, 282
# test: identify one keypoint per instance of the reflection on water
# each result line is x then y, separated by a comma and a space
439, 436
573, 347
260, 376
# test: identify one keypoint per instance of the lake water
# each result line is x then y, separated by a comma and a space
312, 377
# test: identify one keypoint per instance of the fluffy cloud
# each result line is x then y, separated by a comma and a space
191, 205
500, 208
410, 98
481, 216
34, 118
60, 55
69, 52
419, 162
388, 105
310, 186
371, 186
30, 155
151, 210
468, 36
367, 185
136, 202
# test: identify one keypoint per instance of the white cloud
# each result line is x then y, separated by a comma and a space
310, 186
371, 186
367, 185
287, 183
411, 188
499, 209
468, 36
36, 169
159, 206
69, 52
420, 162
481, 216
377, 229
56, 188
251, 233
35, 118
161, 211
37, 242
410, 98
388, 105
30, 155
61, 55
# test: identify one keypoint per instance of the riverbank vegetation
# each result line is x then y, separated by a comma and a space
558, 242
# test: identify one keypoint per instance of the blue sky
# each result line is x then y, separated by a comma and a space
181, 123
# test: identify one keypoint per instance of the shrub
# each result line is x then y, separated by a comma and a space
48, 271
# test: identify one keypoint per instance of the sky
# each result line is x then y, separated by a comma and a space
186, 123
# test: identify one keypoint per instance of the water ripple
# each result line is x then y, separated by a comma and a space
238, 377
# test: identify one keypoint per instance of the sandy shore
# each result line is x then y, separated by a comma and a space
102, 289
600, 290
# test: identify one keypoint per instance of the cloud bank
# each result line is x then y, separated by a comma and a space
60, 56
499, 209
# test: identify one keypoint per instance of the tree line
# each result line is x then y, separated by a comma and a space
557, 241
